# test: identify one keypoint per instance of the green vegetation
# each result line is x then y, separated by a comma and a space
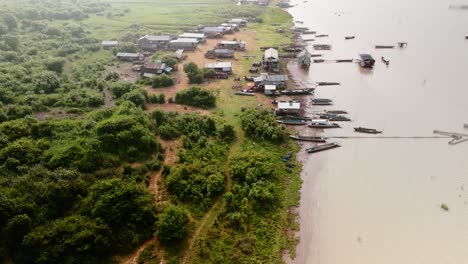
262, 125
78, 151
196, 96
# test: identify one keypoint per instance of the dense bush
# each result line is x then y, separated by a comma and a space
162, 81
262, 125
194, 74
172, 224
196, 96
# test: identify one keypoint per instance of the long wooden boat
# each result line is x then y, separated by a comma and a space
245, 93
322, 147
309, 138
321, 36
298, 91
367, 130
323, 124
293, 117
292, 122
321, 100
384, 47
322, 103
349, 37
336, 112
327, 83
335, 118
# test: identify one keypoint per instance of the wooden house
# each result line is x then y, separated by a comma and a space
270, 59
125, 56
213, 32
225, 67
155, 68
289, 107
239, 21
200, 37
270, 89
232, 45
183, 43
304, 58
152, 43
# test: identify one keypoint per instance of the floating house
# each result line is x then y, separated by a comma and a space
110, 44
200, 37
183, 43
366, 61
125, 56
213, 32
232, 45
152, 43
289, 107
225, 67
304, 58
270, 59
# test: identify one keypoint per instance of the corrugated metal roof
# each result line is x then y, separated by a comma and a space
125, 54
224, 64
224, 51
156, 38
271, 53
185, 40
276, 78
192, 35
213, 29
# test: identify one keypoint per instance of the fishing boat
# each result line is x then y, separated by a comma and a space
298, 91
319, 60
327, 83
331, 117
244, 93
321, 36
322, 124
309, 138
305, 118
384, 47
292, 122
316, 55
322, 147
349, 37
321, 103
337, 112
366, 61
367, 130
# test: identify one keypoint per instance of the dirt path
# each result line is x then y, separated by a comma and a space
133, 259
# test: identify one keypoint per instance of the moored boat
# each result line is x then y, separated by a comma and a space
298, 91
349, 37
322, 147
337, 112
384, 47
332, 117
367, 130
309, 138
327, 83
292, 122
322, 124
322, 101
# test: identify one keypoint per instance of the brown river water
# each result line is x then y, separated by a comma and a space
378, 200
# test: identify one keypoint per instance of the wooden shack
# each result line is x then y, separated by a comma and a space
125, 56
183, 43
304, 58
270, 59
152, 42
225, 66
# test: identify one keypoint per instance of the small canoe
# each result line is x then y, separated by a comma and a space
318, 60
321, 36
466, 37
245, 93
367, 130
323, 125
291, 122
384, 47
322, 103
316, 55
309, 138
322, 147
349, 37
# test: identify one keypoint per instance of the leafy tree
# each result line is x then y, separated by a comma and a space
16, 229
137, 96
196, 96
3, 29
162, 81
46, 82
121, 88
190, 67
262, 125
227, 133
74, 239
12, 42
55, 65
169, 60
10, 21
172, 224
126, 207
25, 151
